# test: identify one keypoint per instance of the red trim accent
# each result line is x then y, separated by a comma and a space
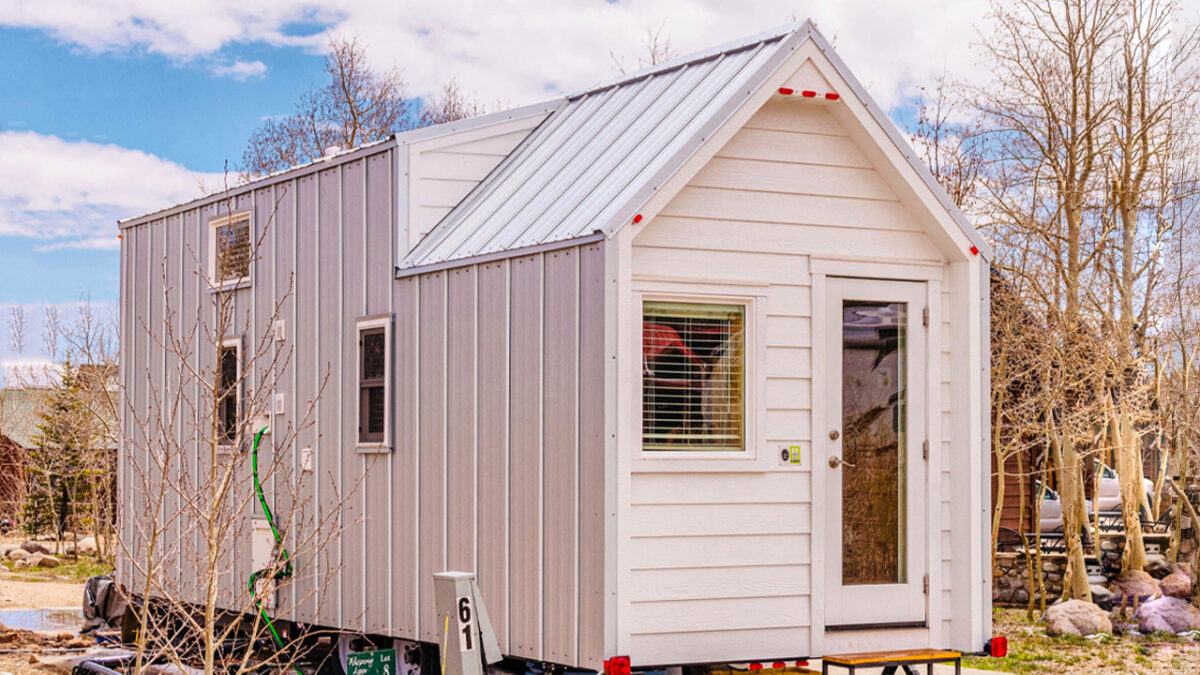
787, 91
974, 250
832, 96
637, 218
808, 94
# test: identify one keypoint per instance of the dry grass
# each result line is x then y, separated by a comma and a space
1031, 651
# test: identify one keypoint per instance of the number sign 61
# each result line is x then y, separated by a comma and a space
466, 624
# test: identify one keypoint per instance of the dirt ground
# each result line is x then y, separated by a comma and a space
36, 594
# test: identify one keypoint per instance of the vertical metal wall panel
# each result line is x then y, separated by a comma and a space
525, 464
378, 279
287, 476
351, 475
559, 454
327, 457
460, 416
406, 495
496, 462
591, 457
492, 407
432, 469
310, 377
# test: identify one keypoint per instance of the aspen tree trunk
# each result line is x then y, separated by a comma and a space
1068, 468
1120, 431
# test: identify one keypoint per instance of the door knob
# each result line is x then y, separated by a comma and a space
834, 435
835, 462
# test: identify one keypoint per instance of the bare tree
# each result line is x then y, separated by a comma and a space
190, 504
450, 105
16, 329
657, 48
359, 105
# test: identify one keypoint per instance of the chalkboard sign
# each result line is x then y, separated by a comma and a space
378, 662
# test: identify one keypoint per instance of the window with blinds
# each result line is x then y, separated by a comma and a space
231, 247
693, 376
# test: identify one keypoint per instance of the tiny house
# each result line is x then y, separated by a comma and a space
691, 366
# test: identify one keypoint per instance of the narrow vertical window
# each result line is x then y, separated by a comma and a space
230, 250
373, 383
693, 372
228, 393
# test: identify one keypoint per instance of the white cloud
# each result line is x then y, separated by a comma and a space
240, 70
71, 193
520, 51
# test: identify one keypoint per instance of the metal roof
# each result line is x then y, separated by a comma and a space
587, 169
604, 152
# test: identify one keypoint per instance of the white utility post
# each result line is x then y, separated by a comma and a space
468, 641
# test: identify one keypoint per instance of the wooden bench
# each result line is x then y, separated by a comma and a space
891, 661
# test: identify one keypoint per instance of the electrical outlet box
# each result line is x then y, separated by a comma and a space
280, 404
278, 329
306, 460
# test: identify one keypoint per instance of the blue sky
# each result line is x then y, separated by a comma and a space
109, 110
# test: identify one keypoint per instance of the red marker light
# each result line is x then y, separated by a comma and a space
974, 250
779, 664
786, 91
755, 666
808, 94
637, 218
832, 96
617, 665
802, 664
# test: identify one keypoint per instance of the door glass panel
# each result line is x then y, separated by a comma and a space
873, 446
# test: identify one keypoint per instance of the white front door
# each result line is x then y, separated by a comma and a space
872, 455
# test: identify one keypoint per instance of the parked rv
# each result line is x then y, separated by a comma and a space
687, 367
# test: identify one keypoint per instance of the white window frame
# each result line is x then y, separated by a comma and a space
365, 323
213, 225
752, 346
236, 343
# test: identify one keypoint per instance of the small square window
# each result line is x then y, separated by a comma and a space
693, 376
231, 251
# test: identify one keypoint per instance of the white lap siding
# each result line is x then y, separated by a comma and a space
719, 557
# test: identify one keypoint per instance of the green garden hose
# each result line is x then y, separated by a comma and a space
287, 560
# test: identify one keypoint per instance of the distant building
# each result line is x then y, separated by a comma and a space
20, 411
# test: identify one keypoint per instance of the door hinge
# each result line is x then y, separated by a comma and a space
925, 449
925, 584
925, 316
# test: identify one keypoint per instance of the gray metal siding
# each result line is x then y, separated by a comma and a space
525, 461
431, 420
497, 410
560, 453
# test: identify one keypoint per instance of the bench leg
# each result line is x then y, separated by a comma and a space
824, 667
958, 667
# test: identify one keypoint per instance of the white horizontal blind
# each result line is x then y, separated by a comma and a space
693, 376
233, 251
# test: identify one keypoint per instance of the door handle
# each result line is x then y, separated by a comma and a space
835, 462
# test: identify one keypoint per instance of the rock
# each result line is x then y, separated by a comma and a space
34, 547
1076, 617
20, 564
1104, 598
1134, 584
87, 545
1169, 615
1157, 566
18, 554
1176, 585
48, 561
35, 559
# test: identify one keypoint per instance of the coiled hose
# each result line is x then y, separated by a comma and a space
283, 573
